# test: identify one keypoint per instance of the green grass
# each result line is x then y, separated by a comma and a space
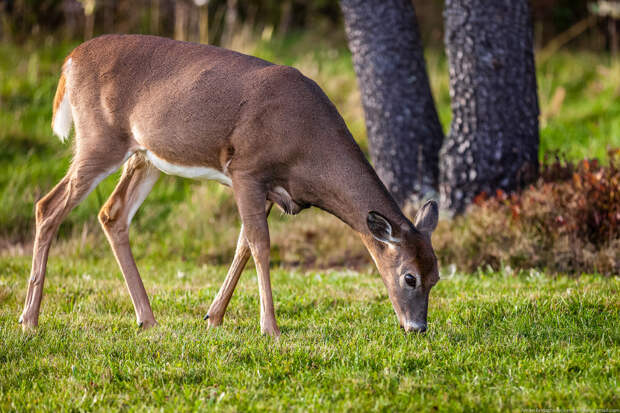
495, 342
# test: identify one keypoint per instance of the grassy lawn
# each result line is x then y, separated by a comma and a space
495, 341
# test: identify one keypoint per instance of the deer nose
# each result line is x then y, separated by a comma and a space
413, 326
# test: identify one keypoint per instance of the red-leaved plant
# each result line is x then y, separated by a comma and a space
566, 222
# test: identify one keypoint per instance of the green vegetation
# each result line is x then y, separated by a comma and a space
578, 94
566, 222
496, 341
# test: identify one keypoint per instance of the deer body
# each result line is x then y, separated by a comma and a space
203, 112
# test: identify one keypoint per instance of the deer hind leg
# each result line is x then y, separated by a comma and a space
115, 216
216, 312
251, 199
85, 173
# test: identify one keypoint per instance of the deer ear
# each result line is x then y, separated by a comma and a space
380, 228
427, 217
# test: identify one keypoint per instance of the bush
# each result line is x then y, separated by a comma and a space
566, 222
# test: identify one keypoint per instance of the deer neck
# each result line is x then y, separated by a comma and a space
354, 191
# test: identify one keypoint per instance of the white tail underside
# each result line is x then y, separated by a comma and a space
63, 118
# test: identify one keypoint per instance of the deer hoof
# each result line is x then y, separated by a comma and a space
27, 324
214, 324
272, 332
214, 319
28, 327
146, 325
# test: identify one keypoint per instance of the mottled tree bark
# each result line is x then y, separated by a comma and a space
493, 139
404, 132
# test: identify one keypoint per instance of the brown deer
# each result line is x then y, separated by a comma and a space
271, 134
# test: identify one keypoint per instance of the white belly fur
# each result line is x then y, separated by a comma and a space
185, 171
193, 172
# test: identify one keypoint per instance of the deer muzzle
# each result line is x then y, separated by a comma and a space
414, 327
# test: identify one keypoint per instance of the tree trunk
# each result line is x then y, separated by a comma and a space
108, 16
403, 128
203, 24
286, 17
154, 24
89, 18
181, 14
230, 25
493, 139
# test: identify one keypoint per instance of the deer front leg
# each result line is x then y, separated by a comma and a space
115, 216
251, 199
216, 312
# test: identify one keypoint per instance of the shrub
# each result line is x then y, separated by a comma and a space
566, 222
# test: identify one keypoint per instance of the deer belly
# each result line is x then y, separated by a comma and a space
186, 171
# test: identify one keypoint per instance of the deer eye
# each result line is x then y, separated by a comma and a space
410, 280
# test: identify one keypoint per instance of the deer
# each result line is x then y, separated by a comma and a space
151, 105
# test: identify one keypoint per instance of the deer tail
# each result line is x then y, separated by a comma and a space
62, 118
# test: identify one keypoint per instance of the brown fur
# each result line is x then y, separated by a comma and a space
60, 89
269, 129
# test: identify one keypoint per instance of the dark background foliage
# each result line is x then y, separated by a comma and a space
20, 19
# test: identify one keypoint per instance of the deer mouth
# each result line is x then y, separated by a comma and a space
413, 327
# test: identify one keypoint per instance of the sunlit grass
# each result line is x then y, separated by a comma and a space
496, 341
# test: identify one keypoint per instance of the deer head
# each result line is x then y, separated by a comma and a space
407, 264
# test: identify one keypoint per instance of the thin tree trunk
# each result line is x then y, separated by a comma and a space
108, 16
403, 128
203, 24
154, 16
613, 37
72, 12
180, 20
218, 25
89, 18
286, 17
493, 139
230, 24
